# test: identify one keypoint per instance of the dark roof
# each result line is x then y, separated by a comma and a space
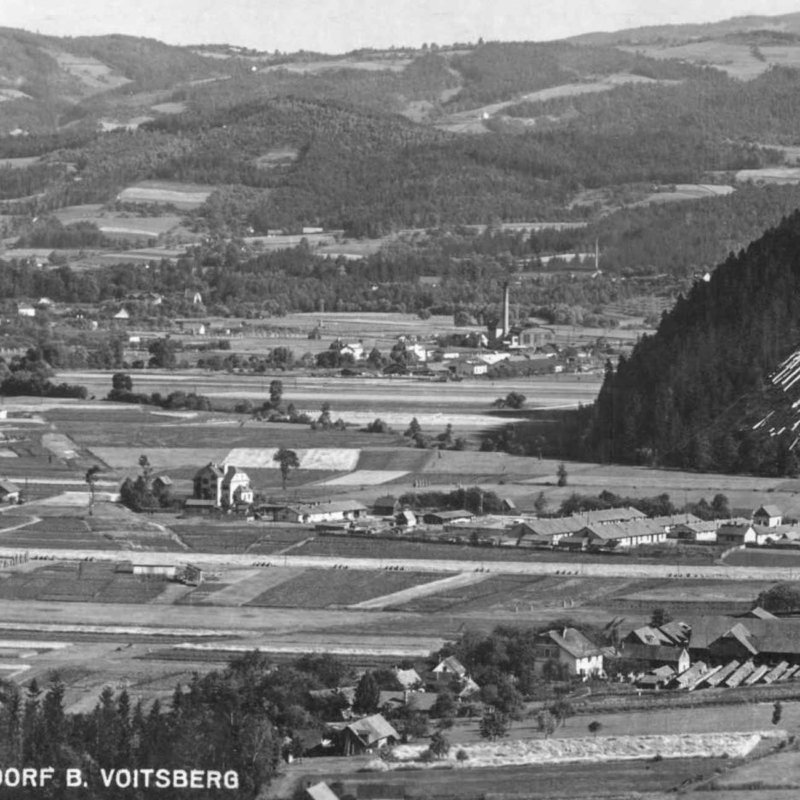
372, 729
645, 652
768, 510
574, 643
765, 635
451, 664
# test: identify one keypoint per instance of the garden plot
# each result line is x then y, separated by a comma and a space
366, 477
60, 445
594, 750
333, 459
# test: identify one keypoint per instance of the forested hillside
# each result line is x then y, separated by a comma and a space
690, 395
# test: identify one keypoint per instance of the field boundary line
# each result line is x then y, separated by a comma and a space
423, 590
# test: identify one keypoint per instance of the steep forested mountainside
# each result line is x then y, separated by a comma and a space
692, 394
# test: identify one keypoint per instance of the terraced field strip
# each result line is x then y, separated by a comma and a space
252, 584
365, 477
335, 459
398, 651
413, 592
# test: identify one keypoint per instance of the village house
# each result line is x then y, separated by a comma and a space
449, 668
769, 516
700, 531
26, 310
225, 485
570, 648
720, 639
736, 534
367, 735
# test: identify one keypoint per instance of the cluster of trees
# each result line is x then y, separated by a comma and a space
222, 721
657, 506
474, 499
30, 375
122, 392
141, 493
443, 441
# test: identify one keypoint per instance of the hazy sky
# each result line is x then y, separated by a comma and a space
340, 25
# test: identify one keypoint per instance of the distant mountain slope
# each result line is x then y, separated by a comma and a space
691, 394
655, 34
44, 78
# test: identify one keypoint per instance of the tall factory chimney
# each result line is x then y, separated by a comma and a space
506, 310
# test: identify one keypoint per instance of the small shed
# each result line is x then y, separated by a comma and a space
9, 492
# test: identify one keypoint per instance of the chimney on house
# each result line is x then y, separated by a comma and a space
506, 310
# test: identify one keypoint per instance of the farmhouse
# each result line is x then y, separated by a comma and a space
367, 735
449, 667
570, 648
769, 516
658, 656
321, 512
736, 534
721, 639
26, 310
701, 531
226, 486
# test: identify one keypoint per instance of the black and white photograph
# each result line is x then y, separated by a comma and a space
399, 401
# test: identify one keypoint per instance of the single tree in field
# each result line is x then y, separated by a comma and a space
594, 727
540, 504
777, 712
287, 460
275, 393
91, 481
439, 746
413, 429
494, 724
562, 474
546, 723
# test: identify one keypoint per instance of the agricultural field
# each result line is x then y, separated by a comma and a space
337, 588
769, 175
94, 582
750, 557
183, 196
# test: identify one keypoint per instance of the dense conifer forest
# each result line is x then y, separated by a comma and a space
690, 394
